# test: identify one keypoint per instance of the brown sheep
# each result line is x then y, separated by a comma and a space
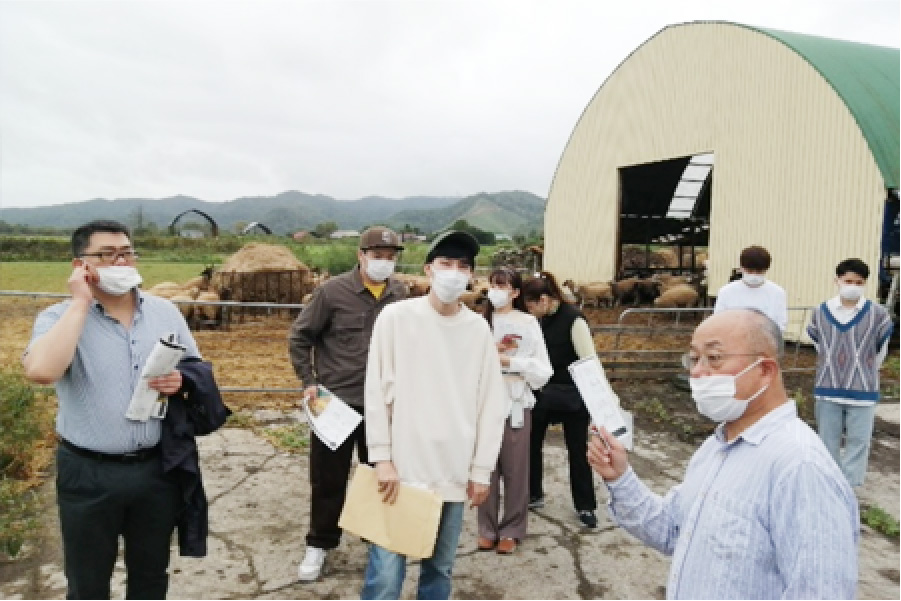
678, 296
595, 293
182, 301
207, 311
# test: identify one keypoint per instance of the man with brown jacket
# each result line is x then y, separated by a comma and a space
329, 344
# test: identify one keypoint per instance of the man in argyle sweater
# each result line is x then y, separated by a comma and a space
851, 334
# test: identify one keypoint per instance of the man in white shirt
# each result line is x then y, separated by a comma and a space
753, 290
435, 406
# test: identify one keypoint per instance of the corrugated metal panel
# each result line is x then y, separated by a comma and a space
792, 171
868, 79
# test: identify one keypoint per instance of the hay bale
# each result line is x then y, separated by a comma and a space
263, 273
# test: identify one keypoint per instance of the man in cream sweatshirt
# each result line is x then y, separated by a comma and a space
435, 408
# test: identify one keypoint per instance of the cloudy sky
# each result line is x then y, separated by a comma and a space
221, 99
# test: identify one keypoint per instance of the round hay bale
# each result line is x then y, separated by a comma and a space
256, 257
263, 273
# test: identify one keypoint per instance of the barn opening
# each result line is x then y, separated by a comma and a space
664, 217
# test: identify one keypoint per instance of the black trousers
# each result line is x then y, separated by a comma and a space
99, 501
575, 435
329, 471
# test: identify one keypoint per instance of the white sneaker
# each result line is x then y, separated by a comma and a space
311, 565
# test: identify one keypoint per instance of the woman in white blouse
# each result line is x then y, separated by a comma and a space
525, 363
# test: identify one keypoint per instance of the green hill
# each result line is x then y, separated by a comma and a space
502, 212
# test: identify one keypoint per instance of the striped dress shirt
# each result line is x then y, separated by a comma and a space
766, 516
94, 392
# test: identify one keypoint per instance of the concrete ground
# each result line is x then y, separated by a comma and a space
259, 512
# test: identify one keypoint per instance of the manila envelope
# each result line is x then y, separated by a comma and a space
408, 527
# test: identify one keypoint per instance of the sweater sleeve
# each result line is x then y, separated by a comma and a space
379, 389
580, 334
535, 370
493, 406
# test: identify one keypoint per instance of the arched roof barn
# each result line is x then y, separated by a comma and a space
723, 135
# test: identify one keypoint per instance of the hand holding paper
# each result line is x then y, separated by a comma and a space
162, 361
601, 401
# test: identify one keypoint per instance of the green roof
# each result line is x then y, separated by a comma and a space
868, 79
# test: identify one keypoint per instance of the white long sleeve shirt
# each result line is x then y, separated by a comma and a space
435, 400
530, 366
768, 298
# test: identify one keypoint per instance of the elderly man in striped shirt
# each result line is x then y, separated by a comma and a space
763, 511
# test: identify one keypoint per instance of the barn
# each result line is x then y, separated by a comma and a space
717, 136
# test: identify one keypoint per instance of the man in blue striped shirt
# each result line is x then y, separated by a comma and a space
110, 481
763, 511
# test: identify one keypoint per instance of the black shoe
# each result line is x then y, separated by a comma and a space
587, 517
536, 502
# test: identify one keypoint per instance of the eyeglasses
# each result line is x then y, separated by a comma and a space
111, 256
713, 360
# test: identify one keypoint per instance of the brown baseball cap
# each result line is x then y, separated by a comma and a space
379, 236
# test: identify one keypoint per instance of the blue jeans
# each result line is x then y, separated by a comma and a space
384, 575
856, 423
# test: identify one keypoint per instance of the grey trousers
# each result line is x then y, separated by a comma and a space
513, 468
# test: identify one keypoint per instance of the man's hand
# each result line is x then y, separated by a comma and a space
389, 481
610, 461
168, 384
80, 281
309, 393
477, 493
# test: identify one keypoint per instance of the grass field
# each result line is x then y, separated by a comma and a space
52, 276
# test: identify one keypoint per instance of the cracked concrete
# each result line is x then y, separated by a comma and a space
259, 511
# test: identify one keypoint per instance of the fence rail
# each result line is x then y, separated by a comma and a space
620, 362
623, 362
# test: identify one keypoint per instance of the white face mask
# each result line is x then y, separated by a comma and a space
379, 269
449, 284
498, 297
715, 399
850, 292
118, 280
753, 279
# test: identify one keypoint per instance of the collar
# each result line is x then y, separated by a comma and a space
139, 300
357, 279
835, 304
762, 427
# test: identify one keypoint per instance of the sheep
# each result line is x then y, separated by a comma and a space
624, 291
164, 289
182, 301
568, 289
595, 293
668, 281
682, 295
207, 311
474, 298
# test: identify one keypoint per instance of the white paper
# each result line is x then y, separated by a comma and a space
162, 361
601, 401
336, 422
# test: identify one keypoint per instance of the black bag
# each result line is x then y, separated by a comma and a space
559, 397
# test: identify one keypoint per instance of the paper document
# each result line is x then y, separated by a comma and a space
145, 401
330, 418
601, 401
408, 527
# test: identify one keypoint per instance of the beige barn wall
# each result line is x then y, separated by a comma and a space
792, 172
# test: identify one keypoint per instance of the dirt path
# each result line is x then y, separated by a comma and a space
259, 509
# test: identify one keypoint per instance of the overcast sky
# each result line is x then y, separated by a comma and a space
217, 100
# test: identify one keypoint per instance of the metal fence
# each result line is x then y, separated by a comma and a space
675, 323
648, 324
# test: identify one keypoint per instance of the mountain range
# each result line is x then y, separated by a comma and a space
510, 212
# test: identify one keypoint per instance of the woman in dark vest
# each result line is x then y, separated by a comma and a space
568, 339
